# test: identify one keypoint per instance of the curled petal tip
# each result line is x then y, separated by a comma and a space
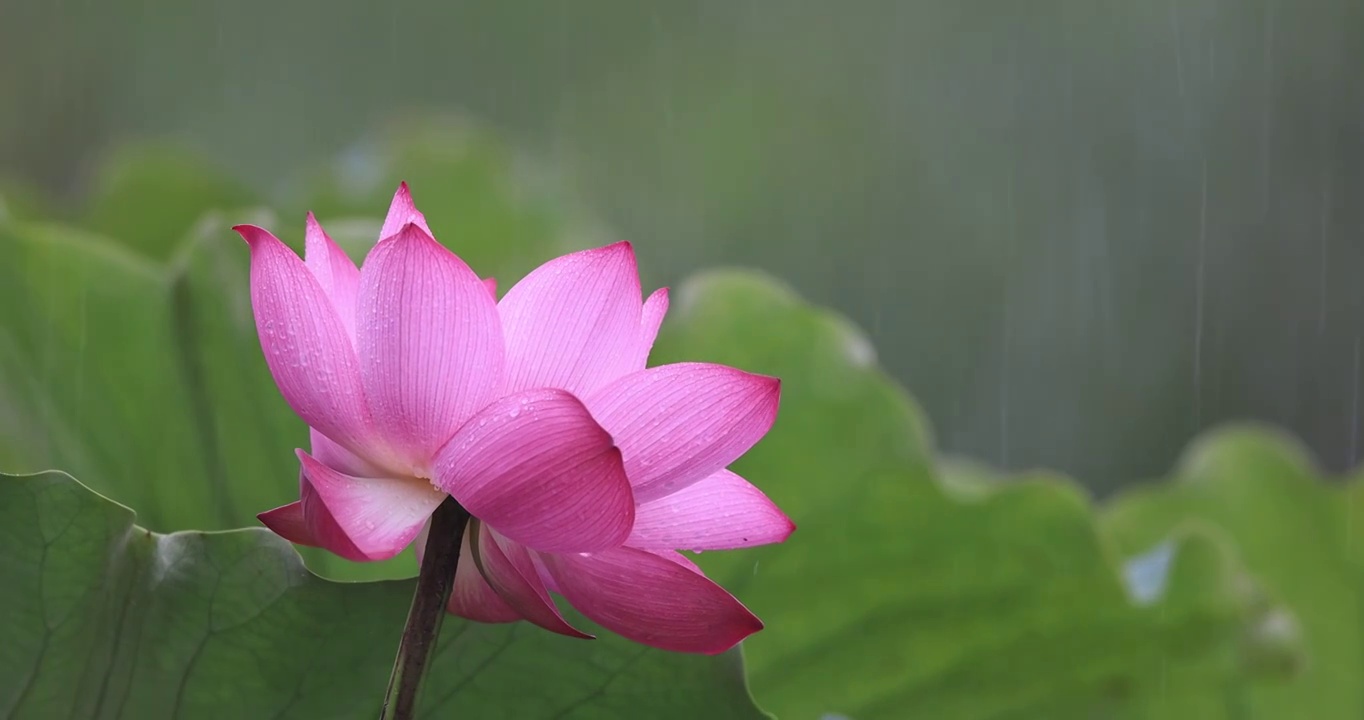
257, 237
251, 233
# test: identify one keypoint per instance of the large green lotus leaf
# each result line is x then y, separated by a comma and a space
104, 619
149, 196
1297, 533
499, 212
91, 379
901, 596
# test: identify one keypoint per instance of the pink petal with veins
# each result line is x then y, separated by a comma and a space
429, 342
652, 600
678, 424
574, 322
508, 569
538, 469
306, 345
335, 272
721, 512
651, 319
471, 597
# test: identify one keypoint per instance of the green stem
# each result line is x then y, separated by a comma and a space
434, 582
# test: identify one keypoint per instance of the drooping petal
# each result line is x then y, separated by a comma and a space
508, 569
307, 521
380, 515
538, 469
652, 600
651, 319
491, 284
325, 532
471, 597
287, 521
334, 270
721, 512
401, 212
429, 341
573, 323
305, 343
677, 424
322, 529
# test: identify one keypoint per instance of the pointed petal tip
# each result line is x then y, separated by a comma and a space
410, 231
252, 234
749, 625
622, 248
755, 626
770, 391
413, 231
653, 600
570, 631
288, 522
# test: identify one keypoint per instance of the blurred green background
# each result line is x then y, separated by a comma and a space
1079, 230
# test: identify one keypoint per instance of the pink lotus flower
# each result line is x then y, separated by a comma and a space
584, 471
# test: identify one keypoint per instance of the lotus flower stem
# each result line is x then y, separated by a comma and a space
434, 582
